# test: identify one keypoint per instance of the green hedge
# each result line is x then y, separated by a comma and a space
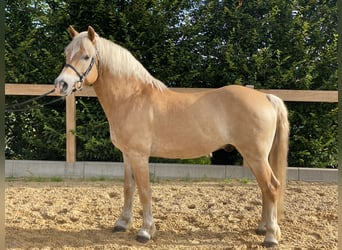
269, 44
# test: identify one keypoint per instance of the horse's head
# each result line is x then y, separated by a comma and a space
81, 62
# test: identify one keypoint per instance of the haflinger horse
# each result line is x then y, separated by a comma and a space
148, 119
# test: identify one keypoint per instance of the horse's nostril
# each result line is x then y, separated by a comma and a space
61, 86
64, 85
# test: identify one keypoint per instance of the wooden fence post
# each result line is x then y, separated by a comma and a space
71, 128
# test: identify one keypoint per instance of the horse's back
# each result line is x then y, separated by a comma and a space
244, 104
245, 94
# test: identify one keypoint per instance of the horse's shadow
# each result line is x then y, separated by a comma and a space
54, 238
19, 238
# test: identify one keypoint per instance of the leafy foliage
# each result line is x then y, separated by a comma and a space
313, 141
93, 139
30, 135
198, 43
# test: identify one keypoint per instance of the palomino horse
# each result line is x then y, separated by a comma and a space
148, 119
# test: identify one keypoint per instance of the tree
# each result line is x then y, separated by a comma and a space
198, 43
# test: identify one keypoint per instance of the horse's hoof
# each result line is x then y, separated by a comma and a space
143, 236
142, 239
269, 244
119, 229
260, 231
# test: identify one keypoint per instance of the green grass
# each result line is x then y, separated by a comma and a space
11, 179
245, 180
228, 180
35, 179
56, 179
100, 178
43, 179
60, 179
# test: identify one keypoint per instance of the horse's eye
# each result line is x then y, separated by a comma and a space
86, 57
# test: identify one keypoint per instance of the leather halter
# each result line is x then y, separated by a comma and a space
81, 76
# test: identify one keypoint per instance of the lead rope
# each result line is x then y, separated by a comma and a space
17, 107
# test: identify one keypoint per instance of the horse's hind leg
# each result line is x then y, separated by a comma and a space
125, 220
269, 186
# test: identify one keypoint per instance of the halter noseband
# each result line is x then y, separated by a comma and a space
81, 76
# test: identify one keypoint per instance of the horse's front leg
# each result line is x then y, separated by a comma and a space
140, 168
126, 219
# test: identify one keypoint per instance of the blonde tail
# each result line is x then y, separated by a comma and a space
279, 151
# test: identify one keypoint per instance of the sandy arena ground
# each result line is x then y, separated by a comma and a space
188, 215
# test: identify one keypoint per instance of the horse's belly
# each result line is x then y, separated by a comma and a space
181, 153
187, 145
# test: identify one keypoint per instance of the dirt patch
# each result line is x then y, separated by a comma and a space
202, 215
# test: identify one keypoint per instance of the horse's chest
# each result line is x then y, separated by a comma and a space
117, 137
113, 136
126, 138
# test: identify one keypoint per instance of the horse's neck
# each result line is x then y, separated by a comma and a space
115, 91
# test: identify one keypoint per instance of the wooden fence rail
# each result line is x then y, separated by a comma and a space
38, 89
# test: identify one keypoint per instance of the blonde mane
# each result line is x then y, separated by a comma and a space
118, 60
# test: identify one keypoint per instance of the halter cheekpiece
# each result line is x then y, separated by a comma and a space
81, 76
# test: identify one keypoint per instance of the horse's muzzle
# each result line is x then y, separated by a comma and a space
61, 87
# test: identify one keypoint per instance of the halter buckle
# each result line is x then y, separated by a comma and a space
79, 85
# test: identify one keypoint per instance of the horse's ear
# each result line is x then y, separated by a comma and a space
72, 32
91, 34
